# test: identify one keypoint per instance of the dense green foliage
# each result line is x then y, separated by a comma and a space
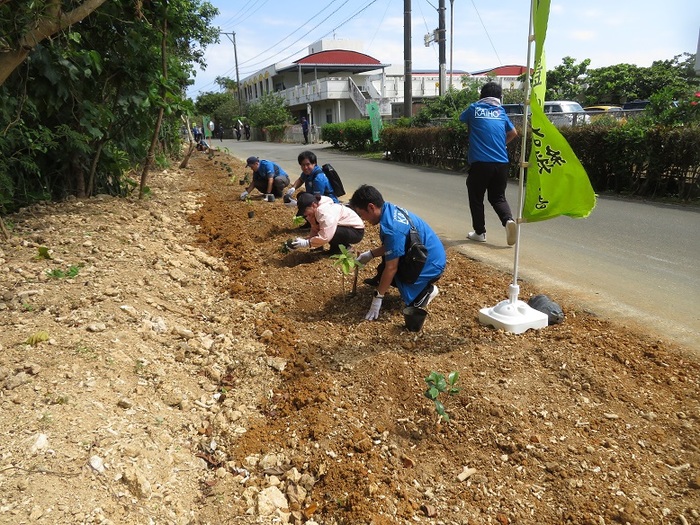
351, 135
622, 82
79, 113
655, 155
269, 110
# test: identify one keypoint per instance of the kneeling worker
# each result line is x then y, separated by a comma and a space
394, 227
268, 178
330, 222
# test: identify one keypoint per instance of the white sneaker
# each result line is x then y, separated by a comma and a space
425, 301
478, 237
511, 232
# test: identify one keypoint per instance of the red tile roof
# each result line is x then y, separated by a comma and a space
339, 56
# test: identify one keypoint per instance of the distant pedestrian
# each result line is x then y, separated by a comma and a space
246, 129
305, 129
238, 130
490, 130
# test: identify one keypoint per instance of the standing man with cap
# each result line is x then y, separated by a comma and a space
490, 130
268, 178
330, 222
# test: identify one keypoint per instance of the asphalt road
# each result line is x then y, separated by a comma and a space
635, 262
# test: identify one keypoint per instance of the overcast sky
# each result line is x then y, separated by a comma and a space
486, 33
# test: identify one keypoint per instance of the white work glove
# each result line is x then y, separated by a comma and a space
300, 243
291, 191
374, 309
365, 257
244, 195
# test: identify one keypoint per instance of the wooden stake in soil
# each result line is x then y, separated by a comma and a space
354, 283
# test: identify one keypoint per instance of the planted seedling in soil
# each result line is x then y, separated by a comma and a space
298, 220
58, 273
440, 388
287, 246
347, 263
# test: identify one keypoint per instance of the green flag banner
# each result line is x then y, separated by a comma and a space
556, 182
375, 119
539, 76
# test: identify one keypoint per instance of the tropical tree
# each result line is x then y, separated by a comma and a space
622, 82
24, 27
269, 110
89, 97
565, 81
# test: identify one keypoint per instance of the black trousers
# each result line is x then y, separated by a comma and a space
278, 186
346, 236
491, 177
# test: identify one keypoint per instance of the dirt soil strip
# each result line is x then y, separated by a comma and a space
187, 370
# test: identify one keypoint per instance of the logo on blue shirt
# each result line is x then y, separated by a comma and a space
487, 112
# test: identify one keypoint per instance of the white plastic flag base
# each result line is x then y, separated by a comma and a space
513, 315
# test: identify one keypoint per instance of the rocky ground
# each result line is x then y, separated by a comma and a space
163, 361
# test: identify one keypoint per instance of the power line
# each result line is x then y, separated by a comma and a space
487, 34
294, 32
335, 28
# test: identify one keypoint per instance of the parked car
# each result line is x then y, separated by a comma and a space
597, 112
514, 109
560, 112
635, 105
601, 109
565, 113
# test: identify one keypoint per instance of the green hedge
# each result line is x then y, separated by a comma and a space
628, 158
351, 135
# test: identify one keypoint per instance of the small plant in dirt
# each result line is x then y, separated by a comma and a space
44, 253
37, 337
347, 263
298, 220
287, 246
439, 388
58, 273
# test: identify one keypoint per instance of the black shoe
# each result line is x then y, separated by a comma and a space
372, 281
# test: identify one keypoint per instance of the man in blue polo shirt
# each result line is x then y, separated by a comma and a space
268, 178
394, 229
312, 177
490, 130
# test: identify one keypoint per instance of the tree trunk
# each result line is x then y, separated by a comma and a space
190, 150
53, 21
163, 92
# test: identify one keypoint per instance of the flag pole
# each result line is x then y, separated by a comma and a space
513, 315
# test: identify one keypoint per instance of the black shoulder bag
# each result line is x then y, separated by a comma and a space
411, 263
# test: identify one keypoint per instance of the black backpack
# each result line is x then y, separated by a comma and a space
334, 179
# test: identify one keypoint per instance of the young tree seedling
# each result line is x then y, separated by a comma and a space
439, 388
347, 263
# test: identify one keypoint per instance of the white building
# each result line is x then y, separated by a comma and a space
335, 81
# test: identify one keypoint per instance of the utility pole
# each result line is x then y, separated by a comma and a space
408, 76
232, 38
452, 35
441, 46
